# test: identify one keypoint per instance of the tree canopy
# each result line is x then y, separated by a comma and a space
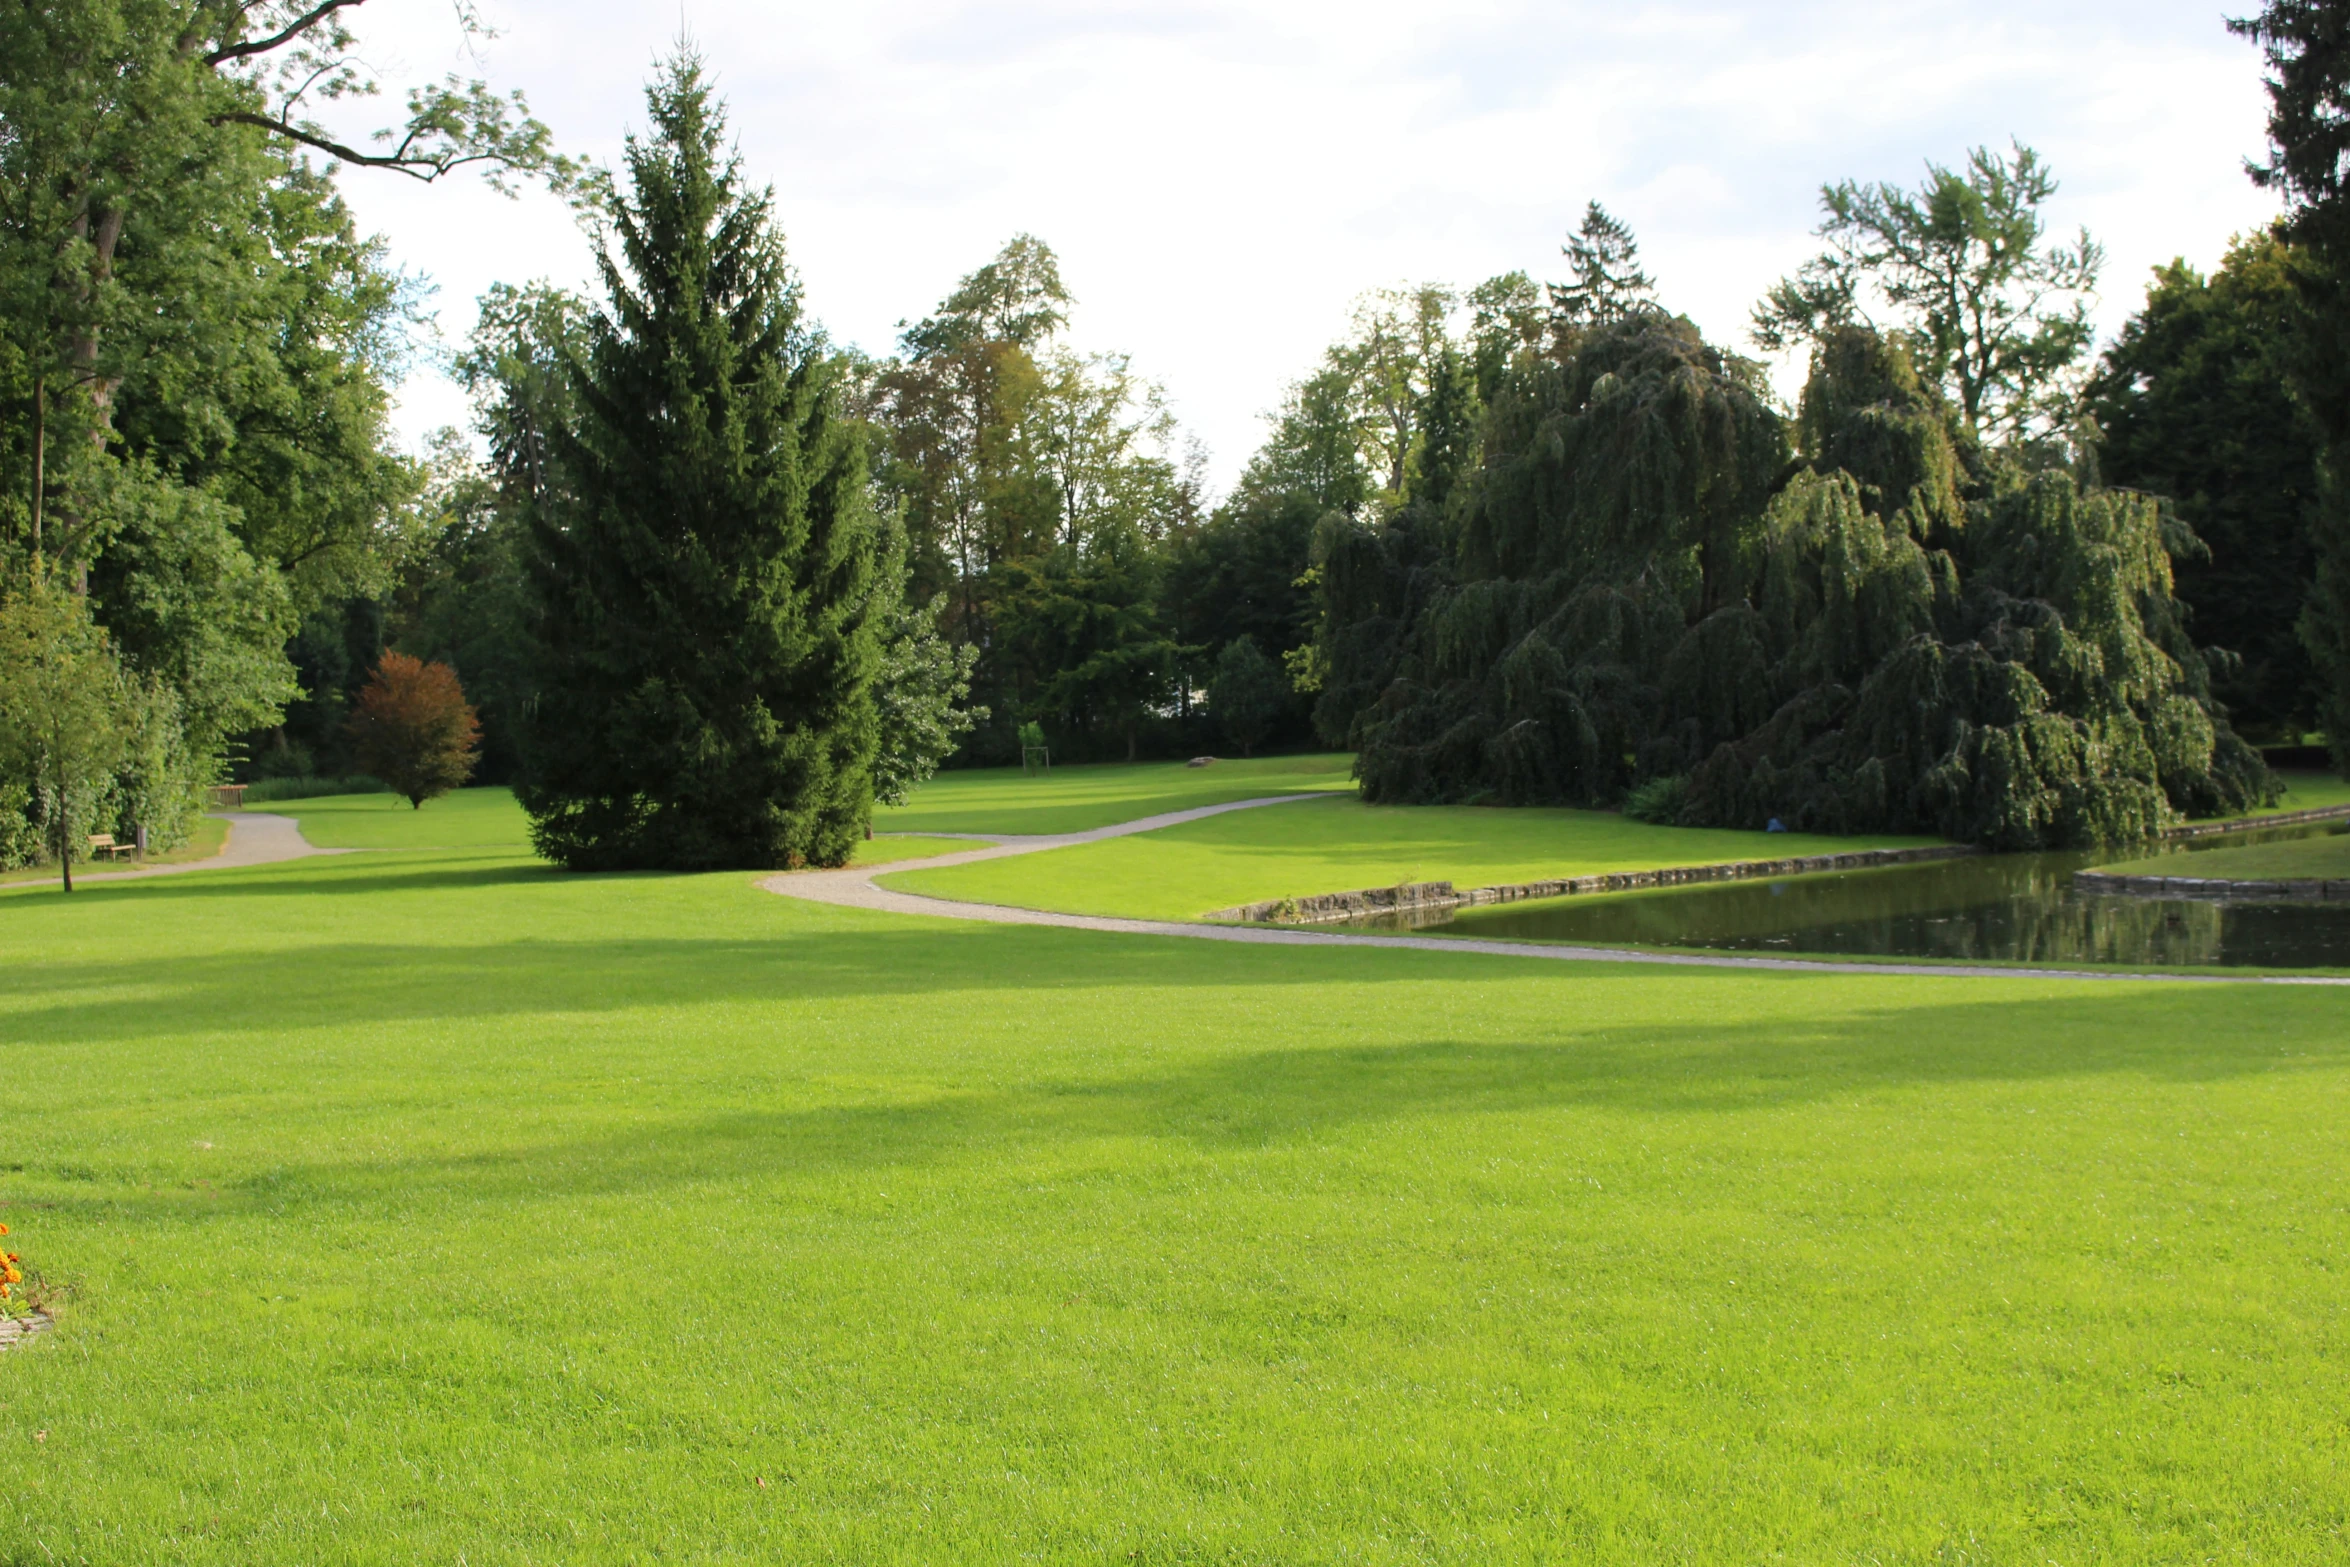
706, 626
1866, 618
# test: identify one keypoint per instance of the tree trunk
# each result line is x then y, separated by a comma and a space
40, 457
103, 230
64, 832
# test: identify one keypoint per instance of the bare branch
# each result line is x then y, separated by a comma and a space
285, 35
425, 168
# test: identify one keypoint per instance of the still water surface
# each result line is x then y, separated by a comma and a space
1992, 908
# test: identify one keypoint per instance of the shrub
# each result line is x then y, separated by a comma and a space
1660, 800
312, 788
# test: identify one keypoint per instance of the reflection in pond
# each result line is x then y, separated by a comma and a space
2004, 908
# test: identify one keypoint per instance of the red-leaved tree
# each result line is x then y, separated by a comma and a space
413, 730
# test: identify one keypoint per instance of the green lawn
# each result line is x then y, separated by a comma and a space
489, 819
1079, 799
2327, 856
468, 819
1338, 845
440, 1206
2308, 792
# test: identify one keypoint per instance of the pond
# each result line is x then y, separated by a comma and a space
1991, 908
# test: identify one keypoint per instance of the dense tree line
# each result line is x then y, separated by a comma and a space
715, 583
193, 462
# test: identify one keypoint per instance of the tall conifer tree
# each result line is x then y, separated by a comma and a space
707, 621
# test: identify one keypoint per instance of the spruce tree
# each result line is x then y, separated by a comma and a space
707, 618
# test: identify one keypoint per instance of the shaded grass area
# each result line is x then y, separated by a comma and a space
1079, 799
205, 842
486, 818
2308, 791
2326, 855
490, 819
1338, 845
427, 1206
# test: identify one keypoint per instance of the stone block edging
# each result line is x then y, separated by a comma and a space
1326, 907
2297, 890
2224, 889
15, 1330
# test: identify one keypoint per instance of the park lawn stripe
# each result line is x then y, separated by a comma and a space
545, 1215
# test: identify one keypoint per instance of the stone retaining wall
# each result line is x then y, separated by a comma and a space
1438, 895
2297, 891
2223, 889
2322, 813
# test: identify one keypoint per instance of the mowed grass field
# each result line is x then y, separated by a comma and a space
2326, 856
1340, 844
1080, 799
438, 1206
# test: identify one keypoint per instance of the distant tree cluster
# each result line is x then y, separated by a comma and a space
1908, 607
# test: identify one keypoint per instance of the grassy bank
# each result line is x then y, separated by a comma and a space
490, 819
1340, 844
1079, 799
2325, 856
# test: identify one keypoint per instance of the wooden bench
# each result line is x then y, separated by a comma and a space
103, 847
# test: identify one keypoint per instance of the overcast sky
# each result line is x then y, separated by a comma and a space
1221, 180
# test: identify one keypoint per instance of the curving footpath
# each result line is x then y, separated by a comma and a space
854, 888
264, 839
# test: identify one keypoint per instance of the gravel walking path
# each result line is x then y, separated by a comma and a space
253, 839
854, 888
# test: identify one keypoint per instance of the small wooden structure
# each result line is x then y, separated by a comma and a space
103, 847
228, 797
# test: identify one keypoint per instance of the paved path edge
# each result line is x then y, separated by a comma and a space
854, 888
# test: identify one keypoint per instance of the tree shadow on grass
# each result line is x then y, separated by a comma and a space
1011, 1109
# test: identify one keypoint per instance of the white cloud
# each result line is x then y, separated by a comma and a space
1222, 179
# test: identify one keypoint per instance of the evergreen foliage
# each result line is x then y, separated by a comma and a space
1899, 633
1608, 282
707, 624
1247, 694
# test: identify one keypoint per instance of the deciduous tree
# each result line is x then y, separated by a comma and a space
412, 728
2193, 402
1992, 312
2307, 47
67, 710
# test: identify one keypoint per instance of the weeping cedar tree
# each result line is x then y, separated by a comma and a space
1896, 632
706, 611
